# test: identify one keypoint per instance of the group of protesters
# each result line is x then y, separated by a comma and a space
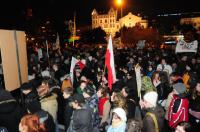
168, 100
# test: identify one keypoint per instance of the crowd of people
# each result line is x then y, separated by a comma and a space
169, 99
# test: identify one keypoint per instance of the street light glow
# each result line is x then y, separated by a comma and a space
119, 2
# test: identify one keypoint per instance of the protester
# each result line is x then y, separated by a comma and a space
48, 100
103, 104
67, 94
81, 120
92, 100
153, 120
31, 123
183, 127
10, 111
134, 125
31, 98
118, 121
194, 108
179, 105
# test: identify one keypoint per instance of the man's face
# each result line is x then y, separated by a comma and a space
163, 62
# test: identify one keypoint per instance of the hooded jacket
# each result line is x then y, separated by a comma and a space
10, 111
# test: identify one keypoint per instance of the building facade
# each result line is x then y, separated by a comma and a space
109, 23
195, 21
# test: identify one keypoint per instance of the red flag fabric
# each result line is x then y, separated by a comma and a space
75, 62
109, 62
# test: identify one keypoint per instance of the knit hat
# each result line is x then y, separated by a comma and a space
180, 88
151, 97
121, 113
89, 89
78, 98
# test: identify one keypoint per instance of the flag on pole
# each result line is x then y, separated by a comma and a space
138, 79
57, 44
75, 62
110, 64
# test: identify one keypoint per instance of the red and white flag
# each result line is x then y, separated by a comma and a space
110, 64
75, 62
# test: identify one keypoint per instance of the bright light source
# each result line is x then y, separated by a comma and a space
119, 2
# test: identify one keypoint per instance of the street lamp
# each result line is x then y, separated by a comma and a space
120, 3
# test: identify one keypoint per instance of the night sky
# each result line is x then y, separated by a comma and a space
13, 11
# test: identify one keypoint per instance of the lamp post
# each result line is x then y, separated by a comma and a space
120, 3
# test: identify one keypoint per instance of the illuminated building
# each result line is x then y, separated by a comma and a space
109, 23
195, 21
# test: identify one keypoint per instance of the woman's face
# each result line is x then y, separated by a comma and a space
112, 98
99, 94
115, 119
198, 87
124, 93
83, 85
156, 76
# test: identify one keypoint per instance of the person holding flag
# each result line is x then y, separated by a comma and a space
110, 64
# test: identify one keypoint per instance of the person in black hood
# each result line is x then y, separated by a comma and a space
81, 120
31, 100
10, 111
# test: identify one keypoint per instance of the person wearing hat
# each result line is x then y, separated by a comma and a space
179, 106
31, 98
154, 118
81, 120
92, 100
118, 121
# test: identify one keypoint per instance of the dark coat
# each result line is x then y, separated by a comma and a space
10, 111
67, 113
31, 102
148, 123
81, 121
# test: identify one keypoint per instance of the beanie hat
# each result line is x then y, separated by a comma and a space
121, 113
151, 97
180, 88
89, 89
77, 98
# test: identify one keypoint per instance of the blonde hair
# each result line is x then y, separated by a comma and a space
120, 101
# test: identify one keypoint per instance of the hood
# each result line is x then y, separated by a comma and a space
6, 108
5, 95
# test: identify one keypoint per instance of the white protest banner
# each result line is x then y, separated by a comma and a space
183, 46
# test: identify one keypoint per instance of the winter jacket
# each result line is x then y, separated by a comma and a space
178, 110
121, 128
49, 104
81, 121
67, 113
10, 111
148, 123
92, 104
